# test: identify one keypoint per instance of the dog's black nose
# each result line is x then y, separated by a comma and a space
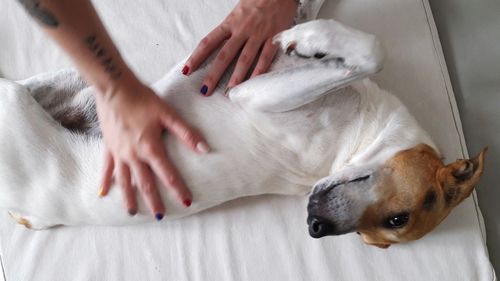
319, 227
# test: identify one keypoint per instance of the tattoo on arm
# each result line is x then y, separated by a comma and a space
100, 53
42, 15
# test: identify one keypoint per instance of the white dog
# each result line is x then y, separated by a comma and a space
306, 120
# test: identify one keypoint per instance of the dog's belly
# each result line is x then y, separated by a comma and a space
60, 178
65, 168
239, 164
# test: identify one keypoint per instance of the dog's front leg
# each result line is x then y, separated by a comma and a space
318, 57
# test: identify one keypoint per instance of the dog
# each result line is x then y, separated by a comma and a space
314, 124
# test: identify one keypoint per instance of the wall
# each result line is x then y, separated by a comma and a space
470, 36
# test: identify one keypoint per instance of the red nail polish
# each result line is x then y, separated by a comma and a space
187, 202
185, 70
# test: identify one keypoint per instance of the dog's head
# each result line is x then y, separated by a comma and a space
402, 200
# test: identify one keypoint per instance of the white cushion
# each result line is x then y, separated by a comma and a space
263, 238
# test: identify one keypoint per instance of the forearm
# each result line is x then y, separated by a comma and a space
76, 27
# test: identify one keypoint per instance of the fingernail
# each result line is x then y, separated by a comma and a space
132, 212
187, 202
185, 70
101, 192
202, 147
204, 89
159, 216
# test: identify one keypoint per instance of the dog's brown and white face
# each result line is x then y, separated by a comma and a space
398, 202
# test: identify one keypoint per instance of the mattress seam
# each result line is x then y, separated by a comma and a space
3, 269
442, 66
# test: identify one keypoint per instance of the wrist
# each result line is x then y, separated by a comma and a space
272, 3
126, 83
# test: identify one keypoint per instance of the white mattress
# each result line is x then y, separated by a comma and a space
262, 238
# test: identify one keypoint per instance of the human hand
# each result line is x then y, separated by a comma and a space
132, 120
250, 27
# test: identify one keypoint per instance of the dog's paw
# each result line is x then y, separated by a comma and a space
328, 39
21, 220
30, 222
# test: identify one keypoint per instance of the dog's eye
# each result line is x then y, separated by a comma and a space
397, 221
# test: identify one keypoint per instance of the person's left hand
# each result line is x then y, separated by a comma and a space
250, 27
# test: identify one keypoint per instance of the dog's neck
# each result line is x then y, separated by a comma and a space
386, 127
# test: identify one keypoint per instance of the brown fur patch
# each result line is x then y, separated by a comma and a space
73, 119
24, 222
430, 199
404, 187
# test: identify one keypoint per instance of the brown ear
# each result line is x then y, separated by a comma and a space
459, 178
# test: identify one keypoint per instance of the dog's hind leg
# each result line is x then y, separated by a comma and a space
51, 89
67, 98
44, 168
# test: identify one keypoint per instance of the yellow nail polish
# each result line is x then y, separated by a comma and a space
101, 192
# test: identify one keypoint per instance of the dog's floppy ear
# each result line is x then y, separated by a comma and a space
459, 178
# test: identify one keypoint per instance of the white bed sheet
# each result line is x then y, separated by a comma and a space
261, 238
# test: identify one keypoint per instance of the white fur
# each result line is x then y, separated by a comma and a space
278, 133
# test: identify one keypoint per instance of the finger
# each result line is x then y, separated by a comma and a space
124, 180
245, 60
205, 48
189, 137
220, 64
147, 187
266, 58
168, 174
107, 177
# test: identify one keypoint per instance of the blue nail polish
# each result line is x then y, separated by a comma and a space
204, 89
159, 216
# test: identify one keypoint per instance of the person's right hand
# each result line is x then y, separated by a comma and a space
249, 28
132, 119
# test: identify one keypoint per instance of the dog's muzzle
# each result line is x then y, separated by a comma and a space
319, 227
321, 220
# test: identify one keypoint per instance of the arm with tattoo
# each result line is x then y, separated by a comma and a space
77, 29
132, 117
